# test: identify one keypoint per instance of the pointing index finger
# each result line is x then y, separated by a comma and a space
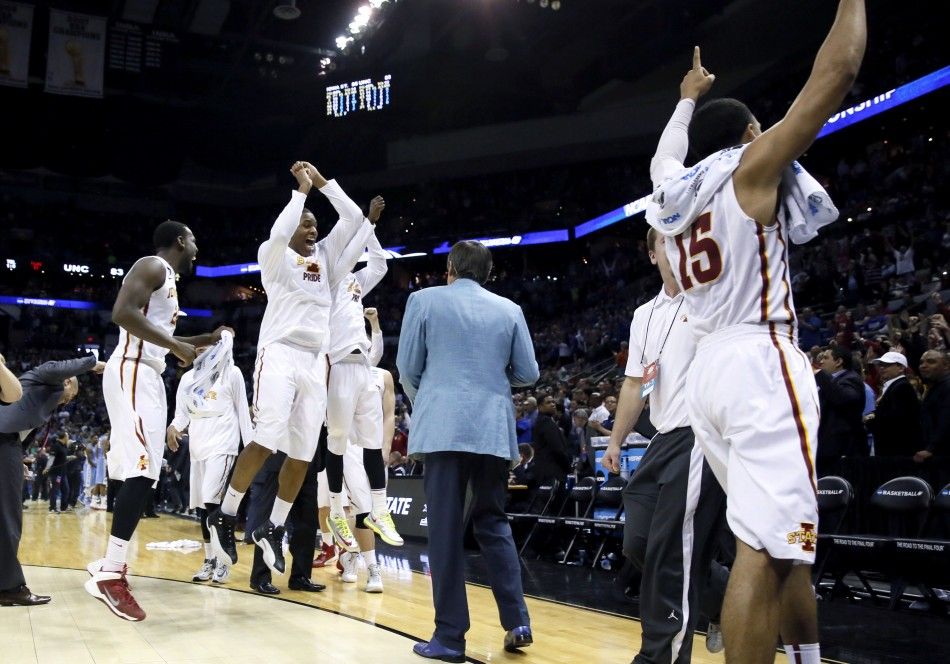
697, 64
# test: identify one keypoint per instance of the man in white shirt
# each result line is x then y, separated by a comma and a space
290, 378
214, 435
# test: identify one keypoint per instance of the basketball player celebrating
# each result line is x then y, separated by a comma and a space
353, 411
290, 389
146, 311
751, 394
214, 433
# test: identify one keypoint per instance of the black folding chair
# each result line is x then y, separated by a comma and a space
609, 496
925, 561
835, 496
542, 504
581, 499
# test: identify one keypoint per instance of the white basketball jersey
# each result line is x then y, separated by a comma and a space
379, 382
733, 270
162, 312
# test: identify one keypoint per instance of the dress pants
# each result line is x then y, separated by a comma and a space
11, 511
447, 477
301, 522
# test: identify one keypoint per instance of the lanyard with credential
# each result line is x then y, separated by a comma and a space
651, 372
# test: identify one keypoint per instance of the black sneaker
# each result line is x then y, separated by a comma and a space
221, 527
271, 540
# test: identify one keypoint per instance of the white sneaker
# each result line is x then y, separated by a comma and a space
384, 526
374, 584
714, 638
342, 534
349, 563
206, 572
222, 571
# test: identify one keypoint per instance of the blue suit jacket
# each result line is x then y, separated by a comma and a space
461, 350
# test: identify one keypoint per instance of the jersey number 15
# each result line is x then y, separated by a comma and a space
701, 262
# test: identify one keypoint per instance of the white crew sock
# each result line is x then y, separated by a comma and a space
116, 555
232, 501
379, 501
278, 515
336, 504
209, 551
369, 557
805, 653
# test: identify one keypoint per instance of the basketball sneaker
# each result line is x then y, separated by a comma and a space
374, 584
328, 555
342, 533
271, 540
384, 526
113, 590
347, 564
222, 571
206, 571
714, 638
221, 527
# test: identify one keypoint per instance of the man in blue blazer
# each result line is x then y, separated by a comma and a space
461, 350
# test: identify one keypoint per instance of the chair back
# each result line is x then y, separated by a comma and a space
905, 502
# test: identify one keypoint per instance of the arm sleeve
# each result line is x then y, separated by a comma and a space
523, 368
350, 255
376, 267
411, 356
346, 228
181, 419
239, 395
673, 145
272, 250
376, 348
842, 393
634, 352
54, 373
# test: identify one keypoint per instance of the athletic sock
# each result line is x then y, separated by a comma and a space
379, 501
336, 504
116, 555
209, 551
369, 557
232, 501
320, 539
805, 653
278, 515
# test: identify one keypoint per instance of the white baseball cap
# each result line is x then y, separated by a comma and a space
892, 358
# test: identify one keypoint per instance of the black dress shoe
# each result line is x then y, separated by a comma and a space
265, 588
22, 596
303, 583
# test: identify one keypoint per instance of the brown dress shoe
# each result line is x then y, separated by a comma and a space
22, 596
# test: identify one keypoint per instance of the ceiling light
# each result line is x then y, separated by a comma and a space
287, 12
342, 41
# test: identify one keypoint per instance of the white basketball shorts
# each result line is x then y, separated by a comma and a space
209, 479
753, 405
356, 491
354, 408
135, 400
290, 399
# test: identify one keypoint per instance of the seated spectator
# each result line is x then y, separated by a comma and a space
397, 464
810, 330
935, 409
895, 422
602, 421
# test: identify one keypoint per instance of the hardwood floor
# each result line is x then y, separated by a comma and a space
189, 622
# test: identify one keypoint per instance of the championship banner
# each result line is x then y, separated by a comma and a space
76, 57
16, 27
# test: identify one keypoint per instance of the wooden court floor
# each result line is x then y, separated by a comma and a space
191, 623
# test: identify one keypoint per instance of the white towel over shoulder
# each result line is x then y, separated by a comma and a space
675, 204
210, 369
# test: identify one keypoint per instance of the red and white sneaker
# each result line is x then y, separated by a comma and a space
96, 566
328, 554
113, 590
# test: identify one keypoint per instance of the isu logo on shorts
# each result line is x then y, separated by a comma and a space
807, 537
143, 462
313, 272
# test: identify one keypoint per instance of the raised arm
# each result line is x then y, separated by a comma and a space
523, 367
674, 141
271, 253
143, 279
239, 395
376, 267
351, 218
411, 356
836, 66
376, 336
10, 388
55, 372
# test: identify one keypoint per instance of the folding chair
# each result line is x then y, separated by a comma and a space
581, 498
609, 497
835, 495
541, 505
